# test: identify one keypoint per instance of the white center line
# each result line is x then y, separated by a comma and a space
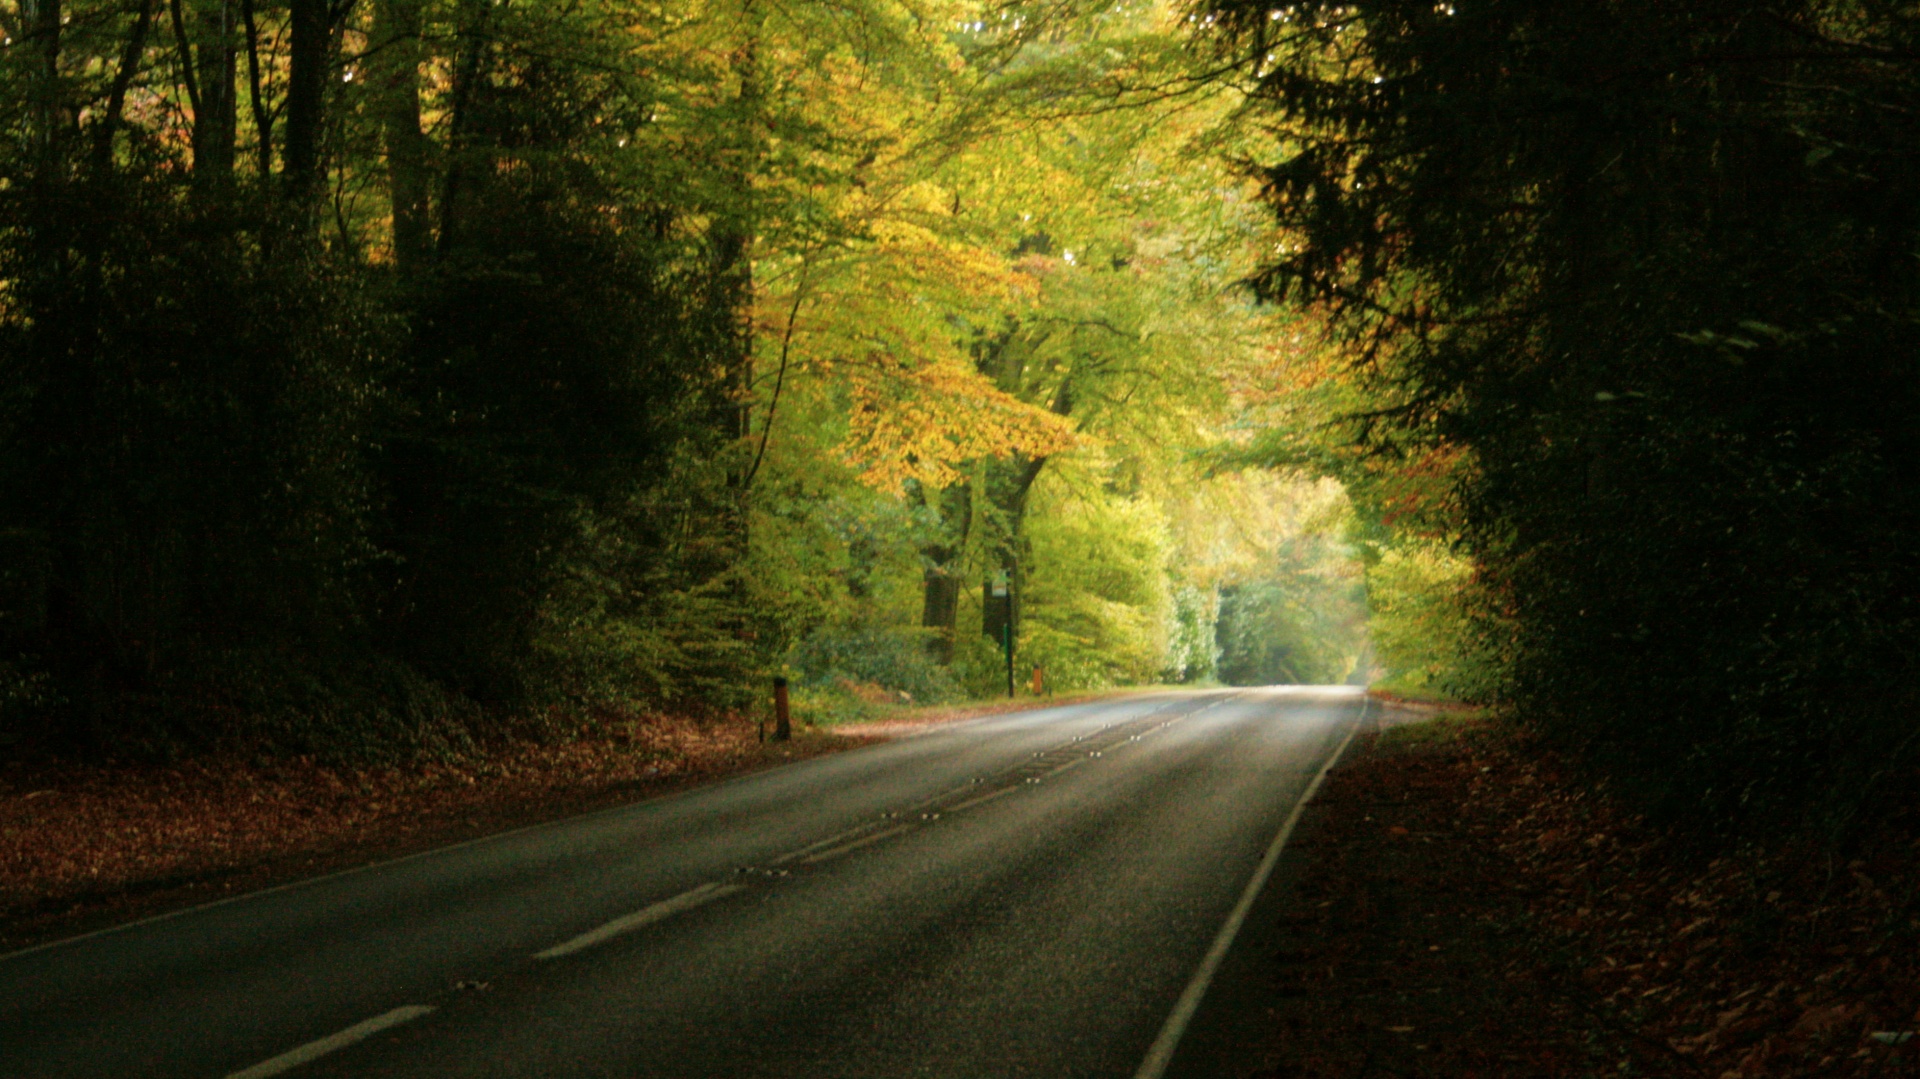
314, 1050
831, 847
835, 852
987, 797
660, 911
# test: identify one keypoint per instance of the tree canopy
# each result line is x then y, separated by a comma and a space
385, 375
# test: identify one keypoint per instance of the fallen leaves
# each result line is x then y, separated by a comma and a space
1397, 936
1601, 943
91, 844
1774, 959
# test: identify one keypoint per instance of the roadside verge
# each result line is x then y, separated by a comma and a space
87, 846
1458, 902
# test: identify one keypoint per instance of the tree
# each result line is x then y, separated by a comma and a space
1634, 270
379, 372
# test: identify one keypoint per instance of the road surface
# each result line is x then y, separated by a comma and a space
1024, 895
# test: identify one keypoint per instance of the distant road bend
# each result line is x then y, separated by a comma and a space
1039, 894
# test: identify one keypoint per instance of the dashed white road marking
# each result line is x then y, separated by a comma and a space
875, 837
831, 847
316, 1049
987, 797
666, 908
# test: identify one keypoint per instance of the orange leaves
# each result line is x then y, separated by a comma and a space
1632, 953
1762, 962
884, 323
923, 422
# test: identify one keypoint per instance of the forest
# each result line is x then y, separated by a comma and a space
385, 377
382, 377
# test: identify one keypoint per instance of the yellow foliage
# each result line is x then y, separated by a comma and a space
921, 422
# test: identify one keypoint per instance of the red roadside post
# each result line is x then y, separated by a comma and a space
782, 717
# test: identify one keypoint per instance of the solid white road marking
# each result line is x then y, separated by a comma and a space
314, 1050
1161, 1054
660, 911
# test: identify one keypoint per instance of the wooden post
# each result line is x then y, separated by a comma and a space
1009, 635
782, 716
1039, 681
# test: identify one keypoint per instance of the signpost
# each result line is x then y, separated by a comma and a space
996, 617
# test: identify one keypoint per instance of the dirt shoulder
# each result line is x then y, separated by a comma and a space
87, 846
1457, 904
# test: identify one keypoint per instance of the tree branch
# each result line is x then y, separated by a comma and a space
186, 59
780, 379
117, 97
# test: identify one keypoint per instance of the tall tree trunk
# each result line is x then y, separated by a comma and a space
216, 119
1009, 487
183, 53
256, 97
734, 232
396, 74
940, 579
1006, 490
310, 38
44, 19
468, 65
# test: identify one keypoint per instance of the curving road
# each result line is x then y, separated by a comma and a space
1024, 895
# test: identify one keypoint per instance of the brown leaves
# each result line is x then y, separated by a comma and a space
80, 842
1625, 952
1398, 939
1769, 961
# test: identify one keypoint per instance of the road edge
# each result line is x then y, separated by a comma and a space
1160, 1054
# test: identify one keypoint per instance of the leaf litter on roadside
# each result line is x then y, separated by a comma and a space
87, 844
1467, 907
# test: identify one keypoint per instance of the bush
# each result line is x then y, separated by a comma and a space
1100, 610
892, 657
1425, 609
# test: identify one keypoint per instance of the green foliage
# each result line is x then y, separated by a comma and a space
1425, 613
24, 694
340, 707
185, 440
630, 621
1301, 624
272, 478
551, 368
891, 658
1100, 606
1193, 645
460, 366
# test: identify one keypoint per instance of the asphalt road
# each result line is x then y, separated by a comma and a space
1024, 895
